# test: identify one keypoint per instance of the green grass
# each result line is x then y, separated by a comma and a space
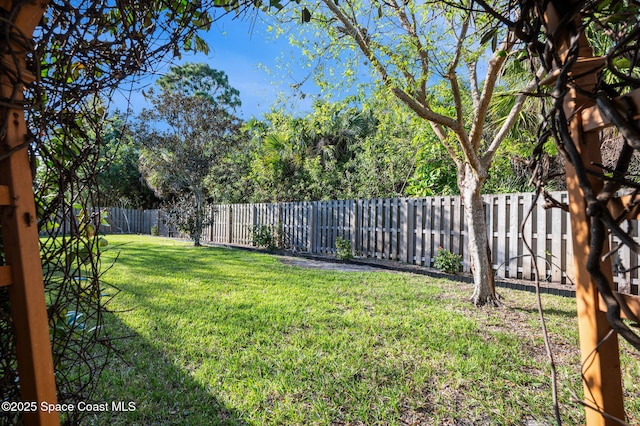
219, 336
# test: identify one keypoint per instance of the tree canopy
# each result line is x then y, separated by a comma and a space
187, 133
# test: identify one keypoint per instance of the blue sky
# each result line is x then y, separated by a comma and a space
242, 48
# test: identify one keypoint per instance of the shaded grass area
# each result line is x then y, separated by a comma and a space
219, 336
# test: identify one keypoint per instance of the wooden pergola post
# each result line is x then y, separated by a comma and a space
602, 377
23, 273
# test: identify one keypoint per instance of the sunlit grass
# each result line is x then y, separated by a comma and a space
234, 337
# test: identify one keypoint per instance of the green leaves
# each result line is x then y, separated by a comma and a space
201, 80
490, 35
275, 4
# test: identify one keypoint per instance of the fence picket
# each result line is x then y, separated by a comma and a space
435, 228
454, 228
556, 245
527, 235
513, 216
407, 234
418, 258
428, 231
501, 239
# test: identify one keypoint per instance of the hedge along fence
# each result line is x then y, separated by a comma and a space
411, 230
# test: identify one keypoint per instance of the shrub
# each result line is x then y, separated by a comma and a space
447, 262
262, 236
154, 231
343, 249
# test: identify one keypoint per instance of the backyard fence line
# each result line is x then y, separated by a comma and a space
409, 230
118, 221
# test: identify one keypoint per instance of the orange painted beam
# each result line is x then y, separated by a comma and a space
602, 376
6, 276
19, 229
633, 303
626, 207
594, 119
601, 361
5, 198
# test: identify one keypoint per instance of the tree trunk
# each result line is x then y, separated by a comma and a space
470, 183
199, 218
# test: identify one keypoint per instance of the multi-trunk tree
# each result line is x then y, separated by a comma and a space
416, 50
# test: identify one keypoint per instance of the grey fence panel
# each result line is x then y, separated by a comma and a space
409, 230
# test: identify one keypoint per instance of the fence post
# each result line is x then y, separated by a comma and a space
312, 226
355, 225
229, 224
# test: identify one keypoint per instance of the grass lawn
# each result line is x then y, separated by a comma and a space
219, 336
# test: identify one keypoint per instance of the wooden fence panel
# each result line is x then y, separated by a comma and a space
540, 249
436, 226
556, 244
370, 229
455, 231
312, 220
378, 234
500, 256
512, 219
418, 255
445, 223
323, 221
373, 229
405, 229
427, 232
488, 202
526, 236
407, 233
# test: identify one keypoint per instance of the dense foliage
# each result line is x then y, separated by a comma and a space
120, 180
340, 150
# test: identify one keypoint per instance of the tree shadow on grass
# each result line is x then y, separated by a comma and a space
172, 259
569, 314
152, 388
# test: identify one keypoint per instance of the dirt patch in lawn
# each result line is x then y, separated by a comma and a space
329, 266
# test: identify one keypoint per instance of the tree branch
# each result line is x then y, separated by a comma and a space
442, 137
473, 81
511, 119
495, 65
451, 72
409, 26
364, 43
